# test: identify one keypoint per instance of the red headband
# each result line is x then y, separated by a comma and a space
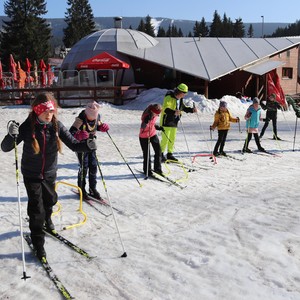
42, 107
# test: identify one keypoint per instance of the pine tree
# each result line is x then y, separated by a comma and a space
216, 26
26, 34
238, 28
196, 29
203, 28
250, 32
141, 26
291, 30
149, 28
161, 32
80, 21
226, 29
180, 33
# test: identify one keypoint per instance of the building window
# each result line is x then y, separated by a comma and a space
287, 73
288, 53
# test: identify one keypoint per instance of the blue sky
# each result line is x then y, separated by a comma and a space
250, 11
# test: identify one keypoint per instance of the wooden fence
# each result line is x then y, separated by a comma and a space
71, 96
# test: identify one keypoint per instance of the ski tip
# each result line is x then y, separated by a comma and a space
124, 254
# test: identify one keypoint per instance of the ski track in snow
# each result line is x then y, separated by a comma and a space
232, 233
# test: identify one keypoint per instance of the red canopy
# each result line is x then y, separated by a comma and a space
103, 60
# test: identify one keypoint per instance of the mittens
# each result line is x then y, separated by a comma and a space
103, 127
81, 135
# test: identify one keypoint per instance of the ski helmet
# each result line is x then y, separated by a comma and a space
182, 88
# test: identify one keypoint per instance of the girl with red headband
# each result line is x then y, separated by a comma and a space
41, 134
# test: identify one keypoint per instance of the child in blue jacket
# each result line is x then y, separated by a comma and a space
253, 116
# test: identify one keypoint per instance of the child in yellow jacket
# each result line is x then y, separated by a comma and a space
222, 122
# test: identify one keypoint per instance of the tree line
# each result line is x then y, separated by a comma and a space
27, 34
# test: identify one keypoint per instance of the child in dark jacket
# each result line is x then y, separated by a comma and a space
42, 134
222, 122
87, 124
148, 135
271, 106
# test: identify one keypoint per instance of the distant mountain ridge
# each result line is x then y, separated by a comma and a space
186, 26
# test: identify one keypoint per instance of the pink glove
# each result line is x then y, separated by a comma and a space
103, 127
81, 135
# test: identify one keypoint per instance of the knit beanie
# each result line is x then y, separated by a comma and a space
223, 104
92, 110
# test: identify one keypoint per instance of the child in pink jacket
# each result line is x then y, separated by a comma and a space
148, 135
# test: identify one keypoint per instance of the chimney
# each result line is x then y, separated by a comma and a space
118, 22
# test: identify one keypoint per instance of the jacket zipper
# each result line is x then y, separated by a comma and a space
44, 150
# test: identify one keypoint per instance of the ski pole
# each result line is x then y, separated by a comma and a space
187, 146
111, 208
148, 156
19, 206
123, 158
295, 133
82, 166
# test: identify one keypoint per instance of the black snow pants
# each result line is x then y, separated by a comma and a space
41, 198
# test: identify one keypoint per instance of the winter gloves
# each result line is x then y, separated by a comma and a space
13, 128
103, 127
157, 127
81, 135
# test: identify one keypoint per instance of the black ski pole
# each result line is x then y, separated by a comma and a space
295, 133
19, 206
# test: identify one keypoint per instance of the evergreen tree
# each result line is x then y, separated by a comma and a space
149, 28
80, 21
226, 29
216, 26
26, 34
238, 28
196, 29
250, 32
141, 26
291, 30
161, 32
180, 33
203, 28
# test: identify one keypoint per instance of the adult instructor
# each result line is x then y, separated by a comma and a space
173, 105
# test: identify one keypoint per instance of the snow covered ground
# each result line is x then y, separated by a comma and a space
232, 233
